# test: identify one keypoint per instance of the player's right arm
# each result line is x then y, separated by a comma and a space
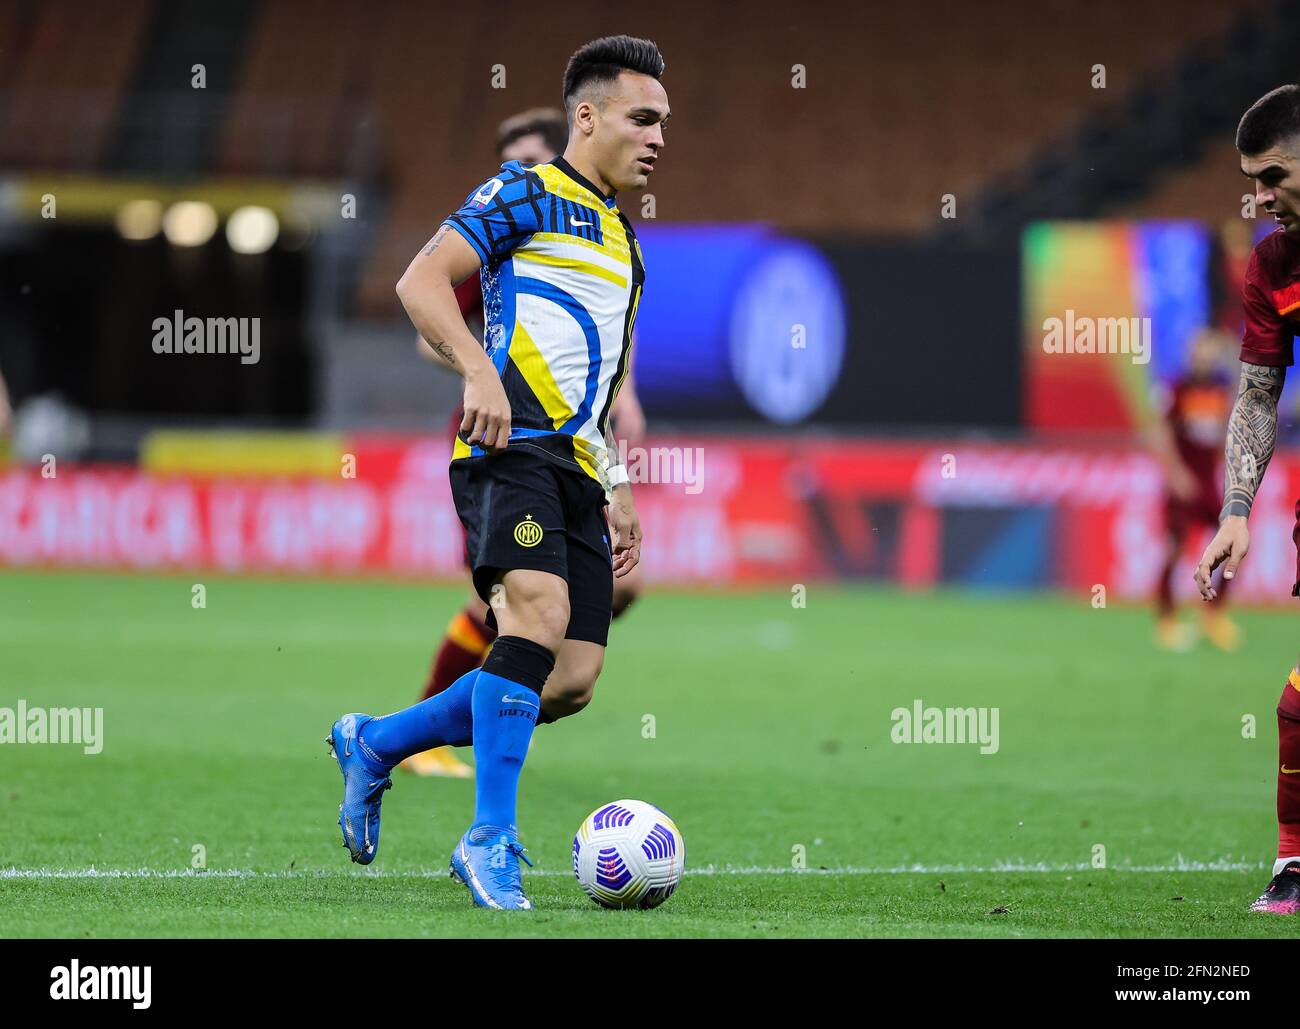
427, 291
1252, 435
1266, 352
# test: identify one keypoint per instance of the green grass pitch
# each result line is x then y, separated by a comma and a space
771, 738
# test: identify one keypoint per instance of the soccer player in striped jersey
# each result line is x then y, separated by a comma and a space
533, 468
1268, 139
531, 137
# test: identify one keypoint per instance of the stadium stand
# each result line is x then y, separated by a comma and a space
308, 100
64, 68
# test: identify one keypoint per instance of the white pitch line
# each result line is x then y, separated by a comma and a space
1001, 868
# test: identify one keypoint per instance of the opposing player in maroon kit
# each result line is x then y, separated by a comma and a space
1268, 139
1189, 443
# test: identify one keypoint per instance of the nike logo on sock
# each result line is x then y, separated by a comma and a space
516, 700
1289, 771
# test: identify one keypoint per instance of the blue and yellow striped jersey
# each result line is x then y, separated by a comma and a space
562, 276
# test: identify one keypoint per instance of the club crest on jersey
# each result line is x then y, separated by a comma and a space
528, 533
484, 196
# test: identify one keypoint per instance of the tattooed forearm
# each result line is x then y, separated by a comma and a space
445, 352
432, 245
1252, 434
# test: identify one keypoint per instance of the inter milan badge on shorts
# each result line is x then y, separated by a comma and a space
528, 533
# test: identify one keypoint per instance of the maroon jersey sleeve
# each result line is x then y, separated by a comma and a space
1267, 338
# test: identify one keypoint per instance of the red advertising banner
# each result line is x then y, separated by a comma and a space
716, 511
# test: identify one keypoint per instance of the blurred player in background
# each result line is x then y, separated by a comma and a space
532, 137
1189, 443
1268, 139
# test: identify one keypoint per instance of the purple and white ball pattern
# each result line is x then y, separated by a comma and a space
628, 854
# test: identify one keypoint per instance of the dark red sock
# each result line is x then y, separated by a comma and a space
463, 649
1288, 776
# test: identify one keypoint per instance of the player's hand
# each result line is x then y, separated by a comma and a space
1230, 543
487, 411
626, 529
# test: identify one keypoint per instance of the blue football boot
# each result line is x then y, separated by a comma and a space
364, 782
486, 860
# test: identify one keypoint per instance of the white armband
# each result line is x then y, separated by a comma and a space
618, 476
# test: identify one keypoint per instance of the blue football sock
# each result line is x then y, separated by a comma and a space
504, 715
442, 720
506, 707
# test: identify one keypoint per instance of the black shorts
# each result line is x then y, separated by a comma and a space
523, 510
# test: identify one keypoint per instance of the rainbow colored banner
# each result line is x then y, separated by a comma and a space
1152, 280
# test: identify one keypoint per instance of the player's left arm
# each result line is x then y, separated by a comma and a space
624, 524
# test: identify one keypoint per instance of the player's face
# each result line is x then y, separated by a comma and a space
528, 150
629, 130
1276, 172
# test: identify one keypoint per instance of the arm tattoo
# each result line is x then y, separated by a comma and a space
432, 245
1252, 434
445, 352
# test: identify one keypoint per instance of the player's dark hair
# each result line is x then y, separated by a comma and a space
1272, 118
550, 122
602, 59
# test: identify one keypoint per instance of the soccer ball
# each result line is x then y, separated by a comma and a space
628, 854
